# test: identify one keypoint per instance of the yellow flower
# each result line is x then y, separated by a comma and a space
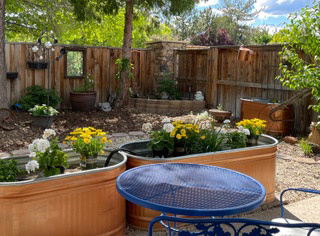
183, 132
110, 141
104, 139
101, 152
73, 132
64, 142
203, 137
101, 133
178, 136
73, 138
197, 131
86, 140
172, 134
68, 138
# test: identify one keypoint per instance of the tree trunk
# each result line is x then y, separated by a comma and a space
123, 98
3, 78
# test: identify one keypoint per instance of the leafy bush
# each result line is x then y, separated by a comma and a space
36, 95
236, 140
168, 85
8, 170
88, 85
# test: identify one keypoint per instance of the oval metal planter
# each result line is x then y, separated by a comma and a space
80, 203
258, 162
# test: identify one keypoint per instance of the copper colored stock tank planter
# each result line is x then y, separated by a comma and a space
81, 203
258, 162
258, 108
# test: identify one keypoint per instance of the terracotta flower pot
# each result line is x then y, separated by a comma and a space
220, 115
83, 101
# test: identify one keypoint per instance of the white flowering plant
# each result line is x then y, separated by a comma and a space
46, 155
43, 110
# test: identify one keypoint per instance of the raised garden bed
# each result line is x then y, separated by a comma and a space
257, 162
258, 108
164, 106
80, 203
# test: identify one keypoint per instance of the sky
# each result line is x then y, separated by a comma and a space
274, 14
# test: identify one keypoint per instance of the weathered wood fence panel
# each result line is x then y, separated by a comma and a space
224, 79
99, 61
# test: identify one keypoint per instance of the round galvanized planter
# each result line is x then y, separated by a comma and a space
258, 162
79, 203
83, 101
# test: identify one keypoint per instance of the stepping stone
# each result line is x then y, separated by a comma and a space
20, 152
63, 146
4, 154
119, 135
137, 133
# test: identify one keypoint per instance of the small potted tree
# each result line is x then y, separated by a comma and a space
83, 98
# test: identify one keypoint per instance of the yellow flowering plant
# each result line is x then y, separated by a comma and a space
88, 141
183, 132
255, 126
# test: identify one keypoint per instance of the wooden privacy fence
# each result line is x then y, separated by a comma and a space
224, 79
99, 62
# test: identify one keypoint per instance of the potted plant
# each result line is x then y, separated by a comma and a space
219, 114
88, 142
42, 116
47, 155
83, 98
253, 128
161, 141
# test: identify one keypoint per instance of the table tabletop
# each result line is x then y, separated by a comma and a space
191, 189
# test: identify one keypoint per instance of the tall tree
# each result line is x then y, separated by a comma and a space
85, 9
3, 79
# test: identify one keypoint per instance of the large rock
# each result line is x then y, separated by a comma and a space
290, 139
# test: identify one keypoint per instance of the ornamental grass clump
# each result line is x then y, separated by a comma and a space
88, 141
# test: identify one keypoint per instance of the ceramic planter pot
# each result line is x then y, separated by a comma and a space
42, 121
83, 101
220, 115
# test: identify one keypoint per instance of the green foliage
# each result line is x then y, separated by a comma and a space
168, 85
87, 86
36, 95
207, 141
236, 140
124, 65
303, 36
74, 63
105, 30
43, 110
53, 157
262, 37
306, 147
219, 107
8, 170
159, 140
281, 36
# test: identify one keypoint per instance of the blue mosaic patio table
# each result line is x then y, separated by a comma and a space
191, 189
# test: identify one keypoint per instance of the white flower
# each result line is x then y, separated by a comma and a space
35, 49
223, 131
48, 132
227, 121
39, 145
52, 49
240, 128
32, 166
41, 57
166, 120
48, 45
203, 116
32, 154
147, 127
168, 127
246, 131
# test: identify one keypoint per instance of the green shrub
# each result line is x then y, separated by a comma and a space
8, 170
36, 95
306, 147
88, 85
168, 85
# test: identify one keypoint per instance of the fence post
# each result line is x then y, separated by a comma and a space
215, 76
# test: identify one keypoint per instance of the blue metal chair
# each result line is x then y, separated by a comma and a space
241, 226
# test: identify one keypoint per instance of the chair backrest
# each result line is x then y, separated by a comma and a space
232, 227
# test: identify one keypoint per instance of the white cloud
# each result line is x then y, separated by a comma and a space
207, 3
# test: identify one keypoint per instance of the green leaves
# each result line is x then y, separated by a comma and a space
299, 71
8, 170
